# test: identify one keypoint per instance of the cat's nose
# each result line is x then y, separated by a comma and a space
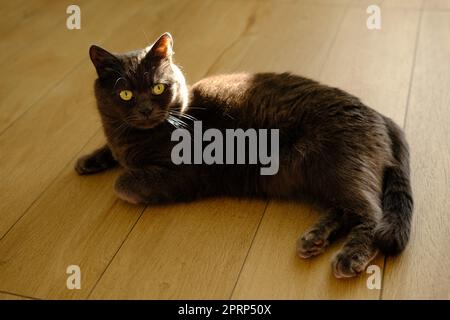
145, 112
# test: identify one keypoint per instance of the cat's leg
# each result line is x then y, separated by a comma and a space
154, 185
322, 233
359, 248
97, 161
128, 187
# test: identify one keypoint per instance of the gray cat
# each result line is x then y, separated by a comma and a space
333, 150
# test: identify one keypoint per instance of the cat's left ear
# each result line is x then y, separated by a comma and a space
163, 47
105, 63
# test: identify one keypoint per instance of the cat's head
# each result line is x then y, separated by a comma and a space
141, 87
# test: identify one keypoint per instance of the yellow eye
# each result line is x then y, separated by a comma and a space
158, 89
126, 95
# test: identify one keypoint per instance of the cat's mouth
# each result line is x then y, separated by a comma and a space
148, 121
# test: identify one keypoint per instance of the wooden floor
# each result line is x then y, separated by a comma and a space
51, 218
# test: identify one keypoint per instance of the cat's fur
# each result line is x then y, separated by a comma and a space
334, 150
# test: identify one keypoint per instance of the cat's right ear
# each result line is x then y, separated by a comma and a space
105, 63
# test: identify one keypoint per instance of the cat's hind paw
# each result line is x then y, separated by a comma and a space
311, 244
347, 264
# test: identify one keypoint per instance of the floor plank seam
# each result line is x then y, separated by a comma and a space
413, 67
411, 79
19, 295
249, 249
333, 41
49, 185
117, 251
43, 96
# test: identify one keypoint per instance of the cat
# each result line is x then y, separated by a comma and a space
333, 150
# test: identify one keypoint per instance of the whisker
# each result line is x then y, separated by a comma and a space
120, 78
173, 123
178, 122
183, 115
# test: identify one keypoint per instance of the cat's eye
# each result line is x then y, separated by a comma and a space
126, 95
158, 89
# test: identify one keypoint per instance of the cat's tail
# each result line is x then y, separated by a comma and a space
392, 233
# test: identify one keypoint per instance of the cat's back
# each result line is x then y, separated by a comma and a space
269, 90
222, 88
251, 96
277, 99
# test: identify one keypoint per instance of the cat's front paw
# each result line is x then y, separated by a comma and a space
348, 264
311, 244
89, 165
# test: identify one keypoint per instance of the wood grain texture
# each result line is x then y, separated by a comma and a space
300, 44
18, 12
38, 146
422, 271
364, 73
73, 223
437, 4
377, 67
29, 22
187, 251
